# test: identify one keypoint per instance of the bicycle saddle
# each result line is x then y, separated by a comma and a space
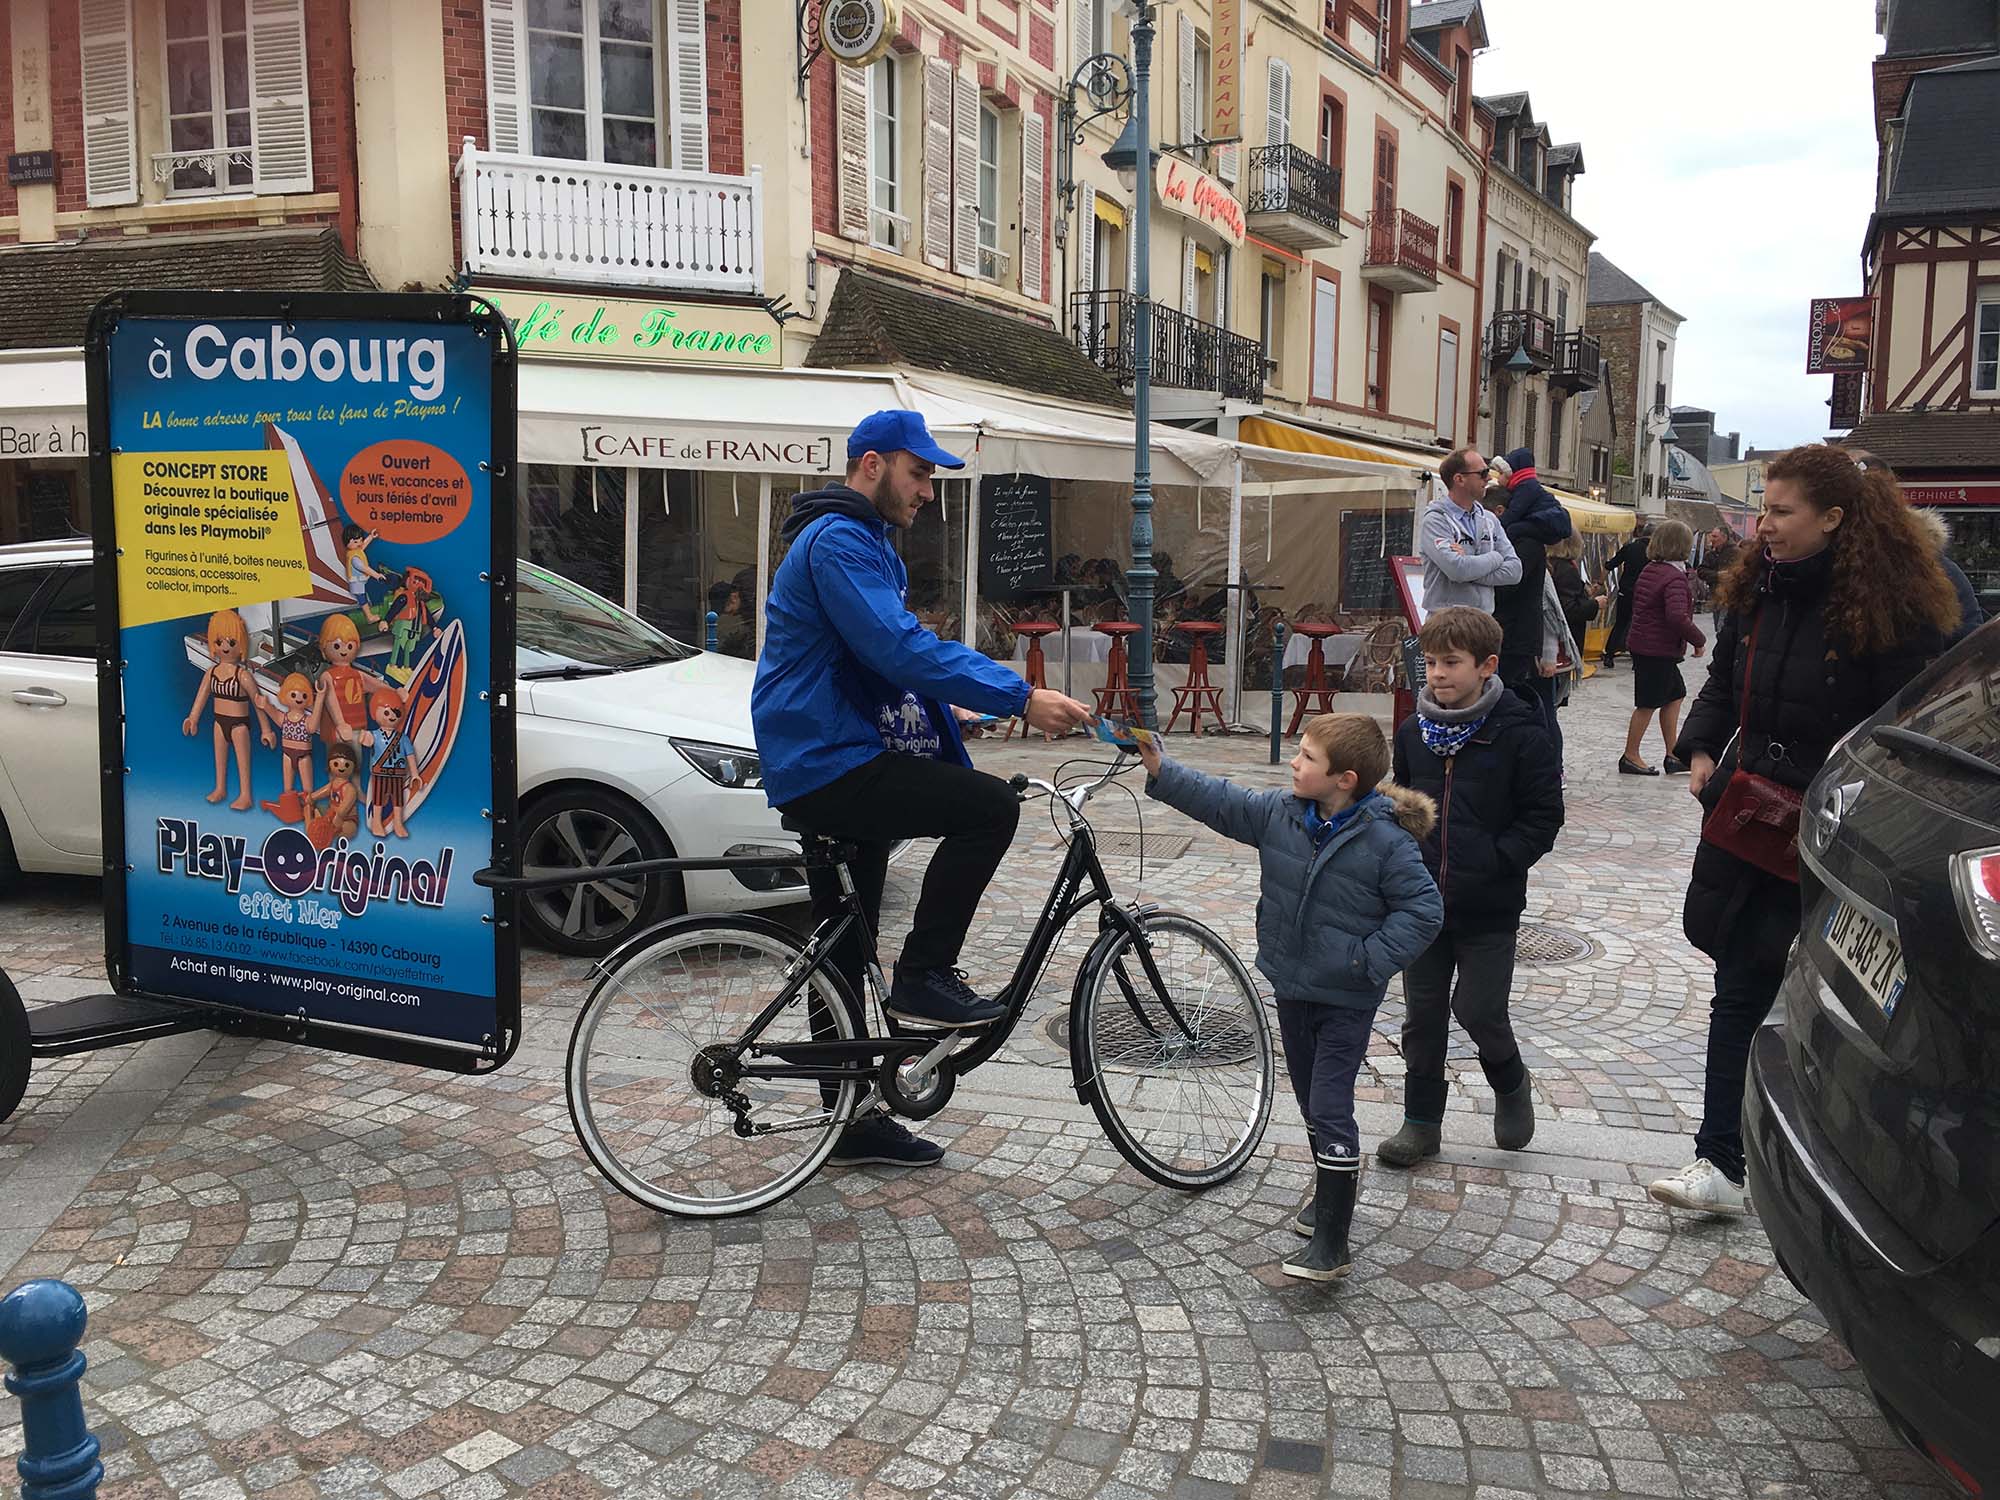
819, 847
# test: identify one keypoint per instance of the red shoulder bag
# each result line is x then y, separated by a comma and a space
1756, 818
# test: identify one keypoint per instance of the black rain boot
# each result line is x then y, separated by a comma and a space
1327, 1258
1303, 1223
1514, 1116
1410, 1145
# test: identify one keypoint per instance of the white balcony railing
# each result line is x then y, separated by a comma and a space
543, 218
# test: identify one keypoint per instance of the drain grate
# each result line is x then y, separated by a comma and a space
1158, 845
1541, 946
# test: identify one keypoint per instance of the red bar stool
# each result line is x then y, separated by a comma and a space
1034, 630
1199, 696
1316, 686
1116, 696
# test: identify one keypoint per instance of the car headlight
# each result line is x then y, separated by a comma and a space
725, 765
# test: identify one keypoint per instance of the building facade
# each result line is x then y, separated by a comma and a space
1538, 354
1930, 399
1637, 333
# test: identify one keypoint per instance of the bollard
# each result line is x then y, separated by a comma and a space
1277, 689
712, 620
41, 1324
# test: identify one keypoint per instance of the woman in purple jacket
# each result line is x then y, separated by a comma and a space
1662, 626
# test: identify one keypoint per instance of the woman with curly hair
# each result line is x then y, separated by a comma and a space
1841, 604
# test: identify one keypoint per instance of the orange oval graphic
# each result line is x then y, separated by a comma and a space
406, 491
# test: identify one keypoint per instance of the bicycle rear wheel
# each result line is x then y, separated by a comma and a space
664, 1009
1178, 1067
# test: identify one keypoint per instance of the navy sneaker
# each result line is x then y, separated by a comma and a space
879, 1140
939, 999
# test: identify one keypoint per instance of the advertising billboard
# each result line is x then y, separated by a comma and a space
304, 507
1843, 331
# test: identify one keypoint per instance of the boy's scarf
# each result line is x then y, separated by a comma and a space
1520, 476
1445, 730
1320, 828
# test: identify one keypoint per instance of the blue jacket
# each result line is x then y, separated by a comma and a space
1334, 923
1530, 504
841, 648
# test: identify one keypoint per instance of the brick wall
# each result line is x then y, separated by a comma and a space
725, 86
66, 105
1616, 328
825, 153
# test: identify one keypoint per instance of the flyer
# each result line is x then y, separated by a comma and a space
303, 515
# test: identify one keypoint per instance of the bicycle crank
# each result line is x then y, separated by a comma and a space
917, 1079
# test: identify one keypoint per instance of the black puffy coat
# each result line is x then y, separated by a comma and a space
1578, 608
1500, 807
1518, 606
1805, 693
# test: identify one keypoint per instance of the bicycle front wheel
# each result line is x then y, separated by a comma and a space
642, 1080
1173, 1049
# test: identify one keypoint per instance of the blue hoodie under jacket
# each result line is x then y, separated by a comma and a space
840, 644
1530, 504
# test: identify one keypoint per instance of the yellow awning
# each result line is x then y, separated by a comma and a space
1595, 515
1203, 261
1109, 212
1266, 433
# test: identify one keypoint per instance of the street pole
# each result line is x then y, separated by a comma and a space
1140, 579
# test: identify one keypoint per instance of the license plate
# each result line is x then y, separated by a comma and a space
1874, 958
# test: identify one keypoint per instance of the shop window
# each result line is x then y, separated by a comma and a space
1986, 349
727, 555
208, 96
593, 80
573, 523
667, 579
990, 258
933, 552
888, 226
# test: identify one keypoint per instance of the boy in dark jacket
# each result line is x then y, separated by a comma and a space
1345, 902
1483, 755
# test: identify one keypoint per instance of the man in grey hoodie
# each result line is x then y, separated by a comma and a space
1466, 553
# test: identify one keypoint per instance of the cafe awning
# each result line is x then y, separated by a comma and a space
1595, 515
41, 403
1355, 455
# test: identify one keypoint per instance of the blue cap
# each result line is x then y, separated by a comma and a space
895, 431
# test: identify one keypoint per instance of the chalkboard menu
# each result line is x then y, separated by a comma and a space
47, 496
1414, 674
1015, 556
1368, 539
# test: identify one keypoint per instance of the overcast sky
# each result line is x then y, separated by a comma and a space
1730, 155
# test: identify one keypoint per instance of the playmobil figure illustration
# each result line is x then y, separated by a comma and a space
342, 709
354, 545
412, 611
296, 709
394, 778
334, 810
228, 682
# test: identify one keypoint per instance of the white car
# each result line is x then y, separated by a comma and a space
631, 745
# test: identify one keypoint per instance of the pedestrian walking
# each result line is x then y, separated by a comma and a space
1582, 601
1466, 553
1842, 605
1662, 628
1623, 571
1481, 753
1345, 902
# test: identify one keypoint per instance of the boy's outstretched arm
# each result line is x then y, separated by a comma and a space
1229, 809
1416, 913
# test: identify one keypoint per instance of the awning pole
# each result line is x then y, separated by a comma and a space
763, 553
967, 625
1234, 594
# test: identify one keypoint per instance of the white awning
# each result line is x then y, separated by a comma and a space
42, 404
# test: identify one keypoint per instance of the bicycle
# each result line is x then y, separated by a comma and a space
717, 1059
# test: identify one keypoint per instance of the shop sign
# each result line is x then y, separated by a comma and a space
553, 324
1226, 69
25, 168
741, 451
57, 438
1842, 329
1194, 194
315, 656
1973, 492
1846, 402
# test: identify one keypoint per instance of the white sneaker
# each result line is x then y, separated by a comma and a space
1702, 1188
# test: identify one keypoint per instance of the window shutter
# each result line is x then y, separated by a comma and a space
1325, 330
1190, 126
964, 176
1083, 32
1034, 207
1447, 391
1187, 276
1086, 245
937, 163
280, 122
1278, 103
1225, 163
850, 86
110, 135
506, 89
687, 41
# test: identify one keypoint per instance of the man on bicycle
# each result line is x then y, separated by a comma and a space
853, 715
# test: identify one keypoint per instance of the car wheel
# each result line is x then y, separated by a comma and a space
15, 1039
580, 828
10, 867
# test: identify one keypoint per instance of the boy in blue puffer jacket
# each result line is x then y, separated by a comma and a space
1344, 904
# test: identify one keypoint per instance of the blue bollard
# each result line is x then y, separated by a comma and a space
41, 1323
1277, 690
712, 638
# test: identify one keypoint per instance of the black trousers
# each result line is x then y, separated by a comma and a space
1744, 994
1324, 1049
895, 797
1483, 965
1621, 625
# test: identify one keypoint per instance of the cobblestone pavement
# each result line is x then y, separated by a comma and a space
312, 1276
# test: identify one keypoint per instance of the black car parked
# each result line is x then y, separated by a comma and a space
1872, 1117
